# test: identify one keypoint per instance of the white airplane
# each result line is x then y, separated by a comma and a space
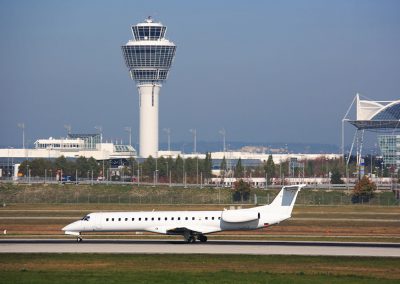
191, 225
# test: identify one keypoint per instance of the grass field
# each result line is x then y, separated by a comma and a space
111, 268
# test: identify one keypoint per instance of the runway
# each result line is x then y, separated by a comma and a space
211, 247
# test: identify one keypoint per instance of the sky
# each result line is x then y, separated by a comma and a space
266, 71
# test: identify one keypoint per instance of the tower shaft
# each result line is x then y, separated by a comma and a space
148, 104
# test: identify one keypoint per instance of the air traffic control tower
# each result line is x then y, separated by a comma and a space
149, 57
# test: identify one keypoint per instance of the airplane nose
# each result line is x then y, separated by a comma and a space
72, 227
67, 228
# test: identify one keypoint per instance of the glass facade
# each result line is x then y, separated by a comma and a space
142, 56
124, 148
390, 149
150, 75
148, 32
390, 113
90, 140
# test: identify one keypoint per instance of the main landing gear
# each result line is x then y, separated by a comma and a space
192, 238
202, 238
79, 239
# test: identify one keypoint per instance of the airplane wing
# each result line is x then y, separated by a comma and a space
195, 230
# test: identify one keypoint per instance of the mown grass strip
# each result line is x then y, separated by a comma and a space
111, 268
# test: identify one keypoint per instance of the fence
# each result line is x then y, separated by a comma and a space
124, 194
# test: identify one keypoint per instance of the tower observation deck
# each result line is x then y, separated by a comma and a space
149, 57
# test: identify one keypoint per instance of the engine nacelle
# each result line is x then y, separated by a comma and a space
238, 216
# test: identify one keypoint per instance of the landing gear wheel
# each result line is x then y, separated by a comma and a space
191, 239
202, 238
79, 239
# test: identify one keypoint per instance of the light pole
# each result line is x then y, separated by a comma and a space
194, 131
168, 131
223, 133
68, 128
129, 130
167, 175
22, 126
8, 162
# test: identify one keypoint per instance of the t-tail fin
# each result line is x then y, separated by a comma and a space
284, 201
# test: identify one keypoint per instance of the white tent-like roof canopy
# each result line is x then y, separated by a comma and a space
377, 114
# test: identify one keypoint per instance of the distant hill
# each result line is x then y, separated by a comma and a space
205, 146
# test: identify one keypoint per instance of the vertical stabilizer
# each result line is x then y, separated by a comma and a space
284, 201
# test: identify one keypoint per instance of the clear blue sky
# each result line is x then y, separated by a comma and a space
267, 71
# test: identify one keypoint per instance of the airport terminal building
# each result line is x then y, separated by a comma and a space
71, 147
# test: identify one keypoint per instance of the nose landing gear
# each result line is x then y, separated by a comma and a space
79, 239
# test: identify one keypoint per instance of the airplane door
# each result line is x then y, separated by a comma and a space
97, 224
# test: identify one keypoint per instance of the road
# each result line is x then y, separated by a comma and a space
211, 247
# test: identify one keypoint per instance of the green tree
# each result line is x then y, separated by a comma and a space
363, 190
190, 168
241, 191
239, 169
223, 166
35, 167
132, 166
94, 166
82, 166
178, 169
170, 164
269, 168
207, 166
336, 176
62, 164
23, 168
309, 168
148, 168
162, 167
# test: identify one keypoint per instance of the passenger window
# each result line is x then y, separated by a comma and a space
152, 218
140, 219
219, 218
192, 218
179, 218
186, 218
145, 219
166, 218
106, 219
112, 219
212, 218
119, 219
206, 218
133, 219
159, 219
172, 218
126, 219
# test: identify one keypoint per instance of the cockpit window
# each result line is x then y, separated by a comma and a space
86, 218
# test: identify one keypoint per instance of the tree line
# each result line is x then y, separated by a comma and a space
177, 170
189, 170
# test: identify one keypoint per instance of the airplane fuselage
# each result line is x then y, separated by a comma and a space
190, 224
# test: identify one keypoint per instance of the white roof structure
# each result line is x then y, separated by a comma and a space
376, 114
